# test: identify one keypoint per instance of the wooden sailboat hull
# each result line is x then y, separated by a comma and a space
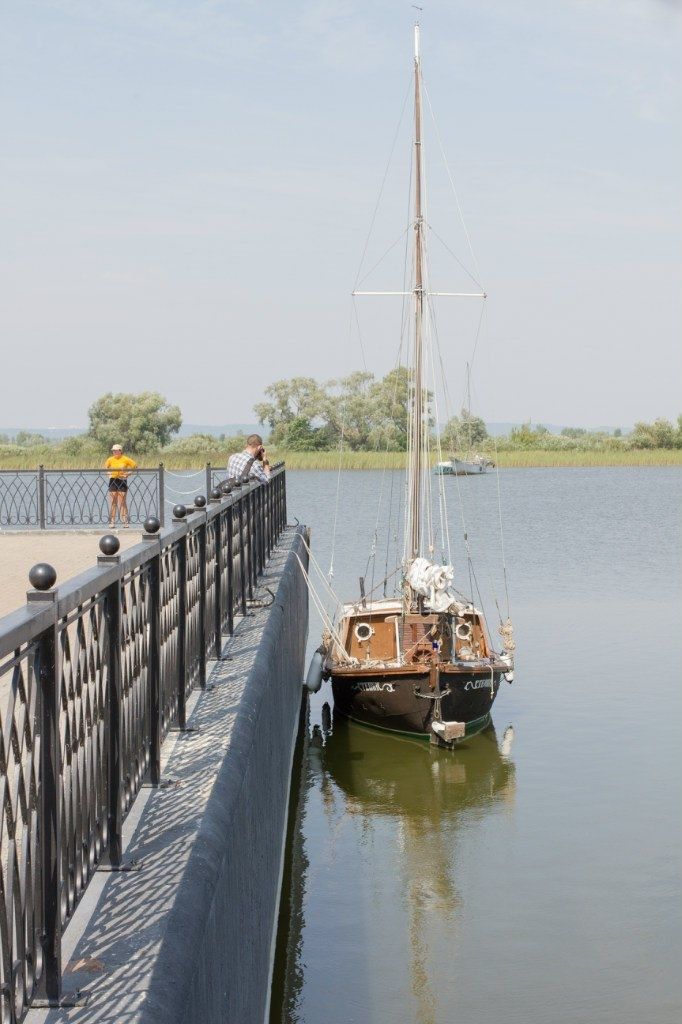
403, 700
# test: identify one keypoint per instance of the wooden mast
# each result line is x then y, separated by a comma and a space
417, 432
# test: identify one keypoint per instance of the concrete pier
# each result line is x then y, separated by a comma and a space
188, 934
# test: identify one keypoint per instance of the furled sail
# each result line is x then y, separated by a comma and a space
432, 582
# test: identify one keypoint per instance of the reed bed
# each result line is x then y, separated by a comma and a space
520, 459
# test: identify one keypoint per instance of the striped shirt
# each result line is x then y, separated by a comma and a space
238, 467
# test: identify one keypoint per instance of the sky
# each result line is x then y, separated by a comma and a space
186, 189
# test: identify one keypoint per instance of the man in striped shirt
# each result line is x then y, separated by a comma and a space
252, 462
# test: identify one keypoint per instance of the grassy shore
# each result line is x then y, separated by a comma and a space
524, 458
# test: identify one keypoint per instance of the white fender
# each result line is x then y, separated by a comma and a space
313, 681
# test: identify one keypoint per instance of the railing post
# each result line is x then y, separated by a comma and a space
162, 495
253, 544
209, 485
284, 497
109, 545
43, 578
41, 497
261, 532
200, 506
179, 513
151, 527
229, 526
217, 625
243, 552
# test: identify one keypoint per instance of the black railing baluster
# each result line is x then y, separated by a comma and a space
181, 551
154, 663
201, 624
253, 544
161, 513
243, 552
229, 568
112, 615
41, 497
216, 626
48, 677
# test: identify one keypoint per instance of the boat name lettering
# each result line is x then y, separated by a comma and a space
476, 684
373, 687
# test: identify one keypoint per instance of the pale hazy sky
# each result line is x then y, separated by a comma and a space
186, 189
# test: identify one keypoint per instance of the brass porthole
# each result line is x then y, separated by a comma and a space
363, 631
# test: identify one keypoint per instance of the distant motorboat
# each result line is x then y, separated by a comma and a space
465, 467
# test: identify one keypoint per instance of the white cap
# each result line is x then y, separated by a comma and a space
117, 447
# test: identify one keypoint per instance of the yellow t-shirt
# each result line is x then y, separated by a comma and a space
118, 463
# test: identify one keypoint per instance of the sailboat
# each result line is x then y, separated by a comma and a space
421, 662
472, 464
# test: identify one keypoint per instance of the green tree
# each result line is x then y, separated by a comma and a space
370, 414
659, 434
347, 410
80, 445
29, 439
298, 398
299, 435
141, 423
527, 436
390, 400
464, 431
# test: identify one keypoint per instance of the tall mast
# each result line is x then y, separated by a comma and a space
417, 412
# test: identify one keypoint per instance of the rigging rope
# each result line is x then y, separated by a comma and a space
454, 190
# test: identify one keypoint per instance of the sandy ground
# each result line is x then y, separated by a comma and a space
70, 553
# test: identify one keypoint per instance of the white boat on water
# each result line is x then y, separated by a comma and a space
465, 467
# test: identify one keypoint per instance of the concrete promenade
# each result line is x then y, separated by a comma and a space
70, 552
189, 937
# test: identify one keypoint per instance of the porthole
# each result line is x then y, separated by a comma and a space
363, 631
463, 631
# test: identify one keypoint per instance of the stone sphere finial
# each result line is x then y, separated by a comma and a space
179, 511
42, 576
225, 487
199, 501
109, 544
152, 524
216, 493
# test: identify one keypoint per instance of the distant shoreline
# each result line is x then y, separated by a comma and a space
520, 459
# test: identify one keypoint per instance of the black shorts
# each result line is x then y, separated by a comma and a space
118, 485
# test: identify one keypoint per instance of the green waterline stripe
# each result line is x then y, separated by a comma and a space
470, 728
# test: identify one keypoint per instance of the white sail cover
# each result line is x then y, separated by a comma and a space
432, 582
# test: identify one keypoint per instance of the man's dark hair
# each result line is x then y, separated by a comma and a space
254, 439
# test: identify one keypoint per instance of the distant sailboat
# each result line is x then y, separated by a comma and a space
472, 464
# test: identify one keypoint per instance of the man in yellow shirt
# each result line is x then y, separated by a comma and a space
119, 466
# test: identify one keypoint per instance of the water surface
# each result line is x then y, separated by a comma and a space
533, 875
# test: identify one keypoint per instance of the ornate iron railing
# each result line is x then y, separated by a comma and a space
93, 674
75, 497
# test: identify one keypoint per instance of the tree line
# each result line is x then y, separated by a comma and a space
301, 414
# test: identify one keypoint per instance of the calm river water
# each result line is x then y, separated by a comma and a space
533, 875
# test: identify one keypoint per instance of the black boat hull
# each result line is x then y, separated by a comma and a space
406, 703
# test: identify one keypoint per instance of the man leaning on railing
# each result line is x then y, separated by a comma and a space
251, 463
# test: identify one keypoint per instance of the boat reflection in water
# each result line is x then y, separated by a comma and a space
422, 797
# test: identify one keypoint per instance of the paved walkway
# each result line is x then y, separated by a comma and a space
69, 552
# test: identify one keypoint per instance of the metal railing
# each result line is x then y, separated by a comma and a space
75, 497
93, 675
